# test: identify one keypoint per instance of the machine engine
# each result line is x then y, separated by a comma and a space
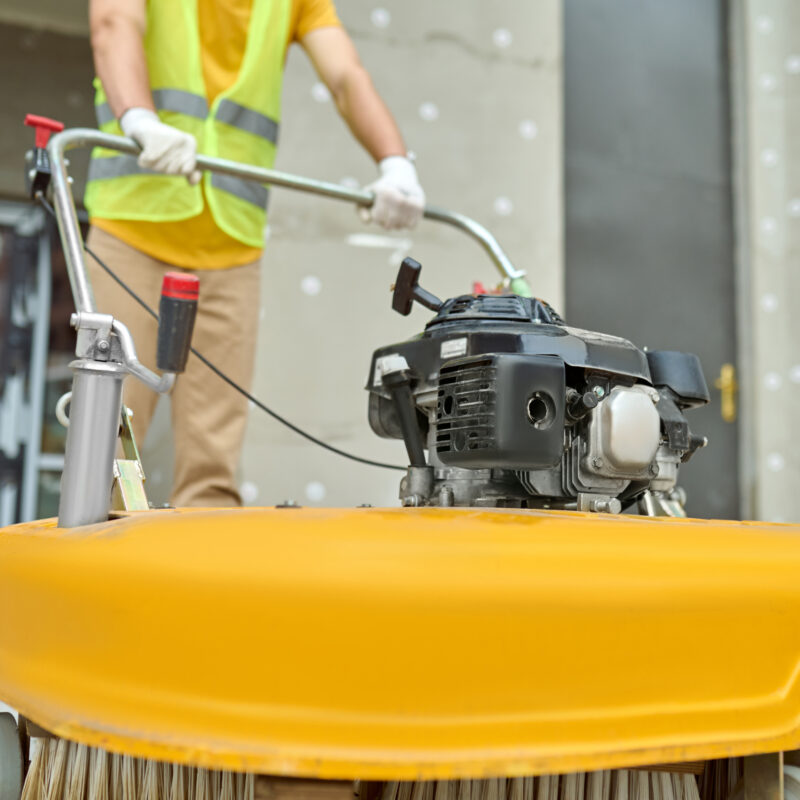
517, 409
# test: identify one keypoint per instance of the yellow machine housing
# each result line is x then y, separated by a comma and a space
405, 643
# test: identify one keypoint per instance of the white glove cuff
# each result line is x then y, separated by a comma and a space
400, 168
131, 119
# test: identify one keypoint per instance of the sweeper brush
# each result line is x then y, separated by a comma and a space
64, 770
506, 634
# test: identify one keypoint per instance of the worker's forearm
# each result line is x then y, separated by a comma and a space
367, 116
120, 62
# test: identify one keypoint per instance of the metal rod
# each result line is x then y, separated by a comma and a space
88, 137
68, 227
479, 233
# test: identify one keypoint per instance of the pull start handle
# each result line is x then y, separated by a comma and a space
407, 289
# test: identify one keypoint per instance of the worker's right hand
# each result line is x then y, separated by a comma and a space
164, 148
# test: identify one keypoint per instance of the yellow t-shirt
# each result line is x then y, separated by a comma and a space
197, 242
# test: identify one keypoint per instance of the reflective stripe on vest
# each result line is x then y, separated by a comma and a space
248, 191
101, 169
229, 112
193, 105
122, 166
245, 119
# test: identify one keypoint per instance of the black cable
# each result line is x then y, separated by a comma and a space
219, 373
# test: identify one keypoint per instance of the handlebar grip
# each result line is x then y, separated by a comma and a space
176, 314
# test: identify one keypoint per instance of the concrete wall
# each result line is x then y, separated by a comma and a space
766, 44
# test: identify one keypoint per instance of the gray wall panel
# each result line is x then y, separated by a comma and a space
649, 241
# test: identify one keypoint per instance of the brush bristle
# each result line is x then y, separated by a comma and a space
62, 770
602, 785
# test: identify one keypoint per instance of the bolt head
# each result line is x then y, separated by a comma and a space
103, 346
597, 462
599, 391
607, 506
654, 470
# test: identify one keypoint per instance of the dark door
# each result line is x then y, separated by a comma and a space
649, 224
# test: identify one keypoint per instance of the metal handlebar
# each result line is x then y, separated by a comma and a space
72, 242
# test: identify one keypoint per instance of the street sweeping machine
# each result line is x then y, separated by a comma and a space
505, 634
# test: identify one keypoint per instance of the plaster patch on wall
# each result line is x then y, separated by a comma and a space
320, 92
502, 37
249, 492
528, 129
503, 206
380, 18
429, 112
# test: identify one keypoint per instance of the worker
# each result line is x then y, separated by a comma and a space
187, 76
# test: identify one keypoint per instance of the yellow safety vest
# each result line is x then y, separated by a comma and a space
242, 124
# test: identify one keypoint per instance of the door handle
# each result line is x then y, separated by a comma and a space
728, 387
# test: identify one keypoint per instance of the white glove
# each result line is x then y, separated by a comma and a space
399, 199
164, 148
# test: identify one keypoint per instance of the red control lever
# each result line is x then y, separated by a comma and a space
44, 127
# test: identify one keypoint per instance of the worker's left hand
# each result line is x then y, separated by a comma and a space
399, 199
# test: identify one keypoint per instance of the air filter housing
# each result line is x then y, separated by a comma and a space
501, 410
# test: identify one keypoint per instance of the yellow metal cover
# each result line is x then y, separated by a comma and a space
405, 643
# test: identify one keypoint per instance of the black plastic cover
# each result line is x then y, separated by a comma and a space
501, 411
576, 348
680, 372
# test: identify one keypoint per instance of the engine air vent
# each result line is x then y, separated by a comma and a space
466, 407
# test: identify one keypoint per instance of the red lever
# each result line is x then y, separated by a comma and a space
44, 127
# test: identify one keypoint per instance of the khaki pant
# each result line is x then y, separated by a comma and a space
208, 416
